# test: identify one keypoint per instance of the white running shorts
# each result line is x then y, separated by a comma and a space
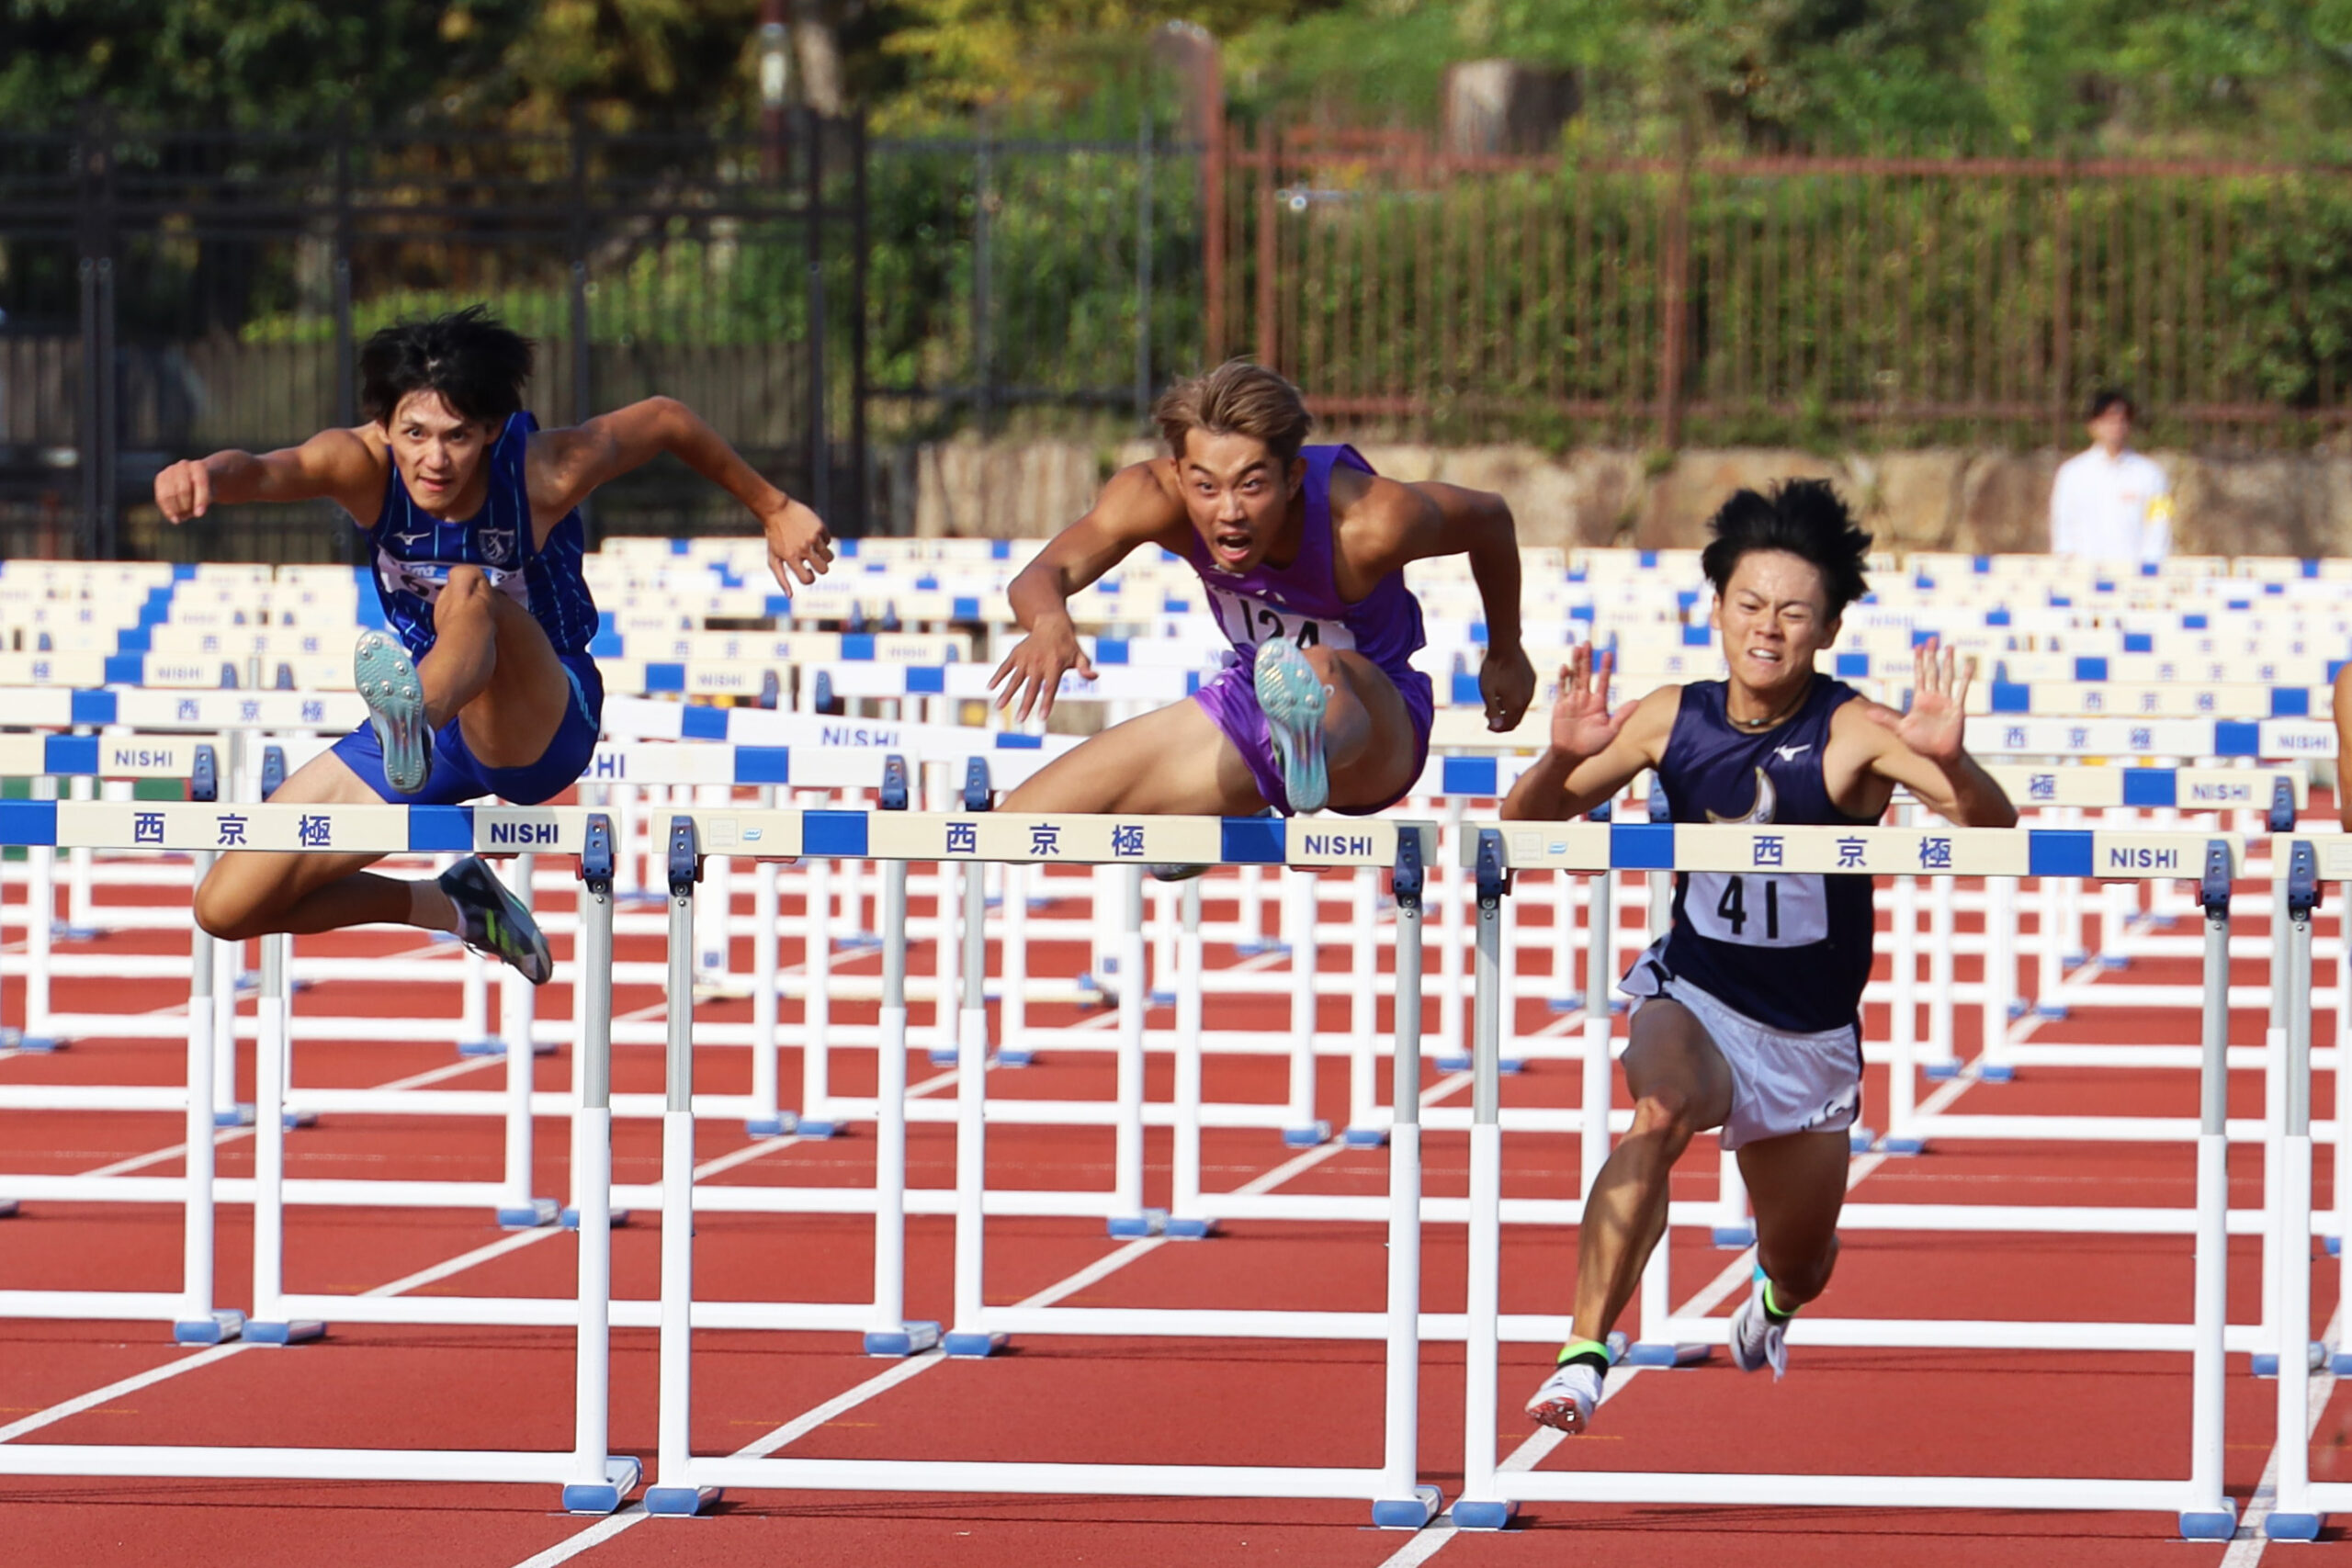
1781, 1082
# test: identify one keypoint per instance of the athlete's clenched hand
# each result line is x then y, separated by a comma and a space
1505, 684
798, 543
1032, 671
183, 491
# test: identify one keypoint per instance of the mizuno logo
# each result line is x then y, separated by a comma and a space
1791, 754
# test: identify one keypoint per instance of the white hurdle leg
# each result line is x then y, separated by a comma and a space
1404, 1503
1598, 1080
1366, 1128
673, 1490
1942, 1059
269, 1324
600, 1479
892, 1334
2000, 978
943, 1012
2293, 1515
970, 1336
1479, 1507
1733, 1228
81, 916
1453, 1043
518, 1208
816, 1119
768, 1118
1903, 1033
1302, 1130
1128, 1215
200, 1321
1564, 943
40, 914
2210, 1515
1012, 1007
1251, 912
1184, 1218
227, 1110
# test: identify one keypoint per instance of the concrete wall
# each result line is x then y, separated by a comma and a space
1979, 501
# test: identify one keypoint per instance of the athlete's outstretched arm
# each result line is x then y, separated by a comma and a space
567, 464
1593, 752
1921, 748
1430, 519
333, 464
1134, 509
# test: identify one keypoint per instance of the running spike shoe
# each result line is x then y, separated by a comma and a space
1567, 1399
1757, 1341
388, 682
1292, 697
492, 921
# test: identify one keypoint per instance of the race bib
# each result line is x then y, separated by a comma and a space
1754, 909
425, 579
1248, 621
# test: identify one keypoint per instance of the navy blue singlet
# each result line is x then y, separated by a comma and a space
415, 551
1793, 951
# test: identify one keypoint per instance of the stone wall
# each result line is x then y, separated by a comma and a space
1950, 500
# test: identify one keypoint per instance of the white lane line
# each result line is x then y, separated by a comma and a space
2247, 1546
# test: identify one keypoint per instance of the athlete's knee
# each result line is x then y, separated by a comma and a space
227, 913
1668, 1111
467, 591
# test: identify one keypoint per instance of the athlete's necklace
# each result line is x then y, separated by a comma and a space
1766, 723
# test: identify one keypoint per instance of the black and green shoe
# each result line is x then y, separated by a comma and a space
491, 920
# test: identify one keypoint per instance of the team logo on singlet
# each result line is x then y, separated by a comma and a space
497, 545
1766, 800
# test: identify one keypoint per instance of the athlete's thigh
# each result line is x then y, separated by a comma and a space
1672, 1052
1392, 756
1798, 1185
1174, 761
246, 882
511, 723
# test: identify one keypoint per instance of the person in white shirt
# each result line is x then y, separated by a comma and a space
2110, 504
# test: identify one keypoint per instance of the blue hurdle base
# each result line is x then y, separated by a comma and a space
905, 1340
298, 1333
1016, 1056
2049, 1009
1939, 1072
1572, 1002
1307, 1137
225, 1324
1733, 1238
803, 1128
1160, 999
1650, 1353
1253, 949
641, 897
1364, 1137
947, 1058
1481, 1516
495, 1046
1178, 1229
2293, 1526
2074, 960
1407, 1512
289, 1120
1891, 1145
1129, 1227
1454, 1063
621, 1475
1509, 1065
2112, 961
776, 1126
235, 1116
76, 933
540, 1212
1996, 1072
1858, 1139
974, 1346
2340, 1363
681, 1502
39, 1045
2265, 1363
569, 1219
2219, 1525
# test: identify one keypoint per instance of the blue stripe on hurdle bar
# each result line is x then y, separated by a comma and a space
1110, 651
1642, 846
1253, 839
2150, 786
28, 821
2058, 851
1012, 740
2236, 738
1853, 666
2090, 666
857, 648
2009, 696
827, 833
441, 828
700, 721
93, 707
76, 755
2290, 702
1465, 691
1479, 776
925, 680
763, 764
665, 678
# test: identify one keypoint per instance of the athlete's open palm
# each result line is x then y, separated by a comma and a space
1933, 725
1582, 724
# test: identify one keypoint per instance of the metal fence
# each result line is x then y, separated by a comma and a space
1888, 300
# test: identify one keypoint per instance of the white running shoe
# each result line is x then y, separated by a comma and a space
1567, 1399
388, 682
1292, 697
1757, 1341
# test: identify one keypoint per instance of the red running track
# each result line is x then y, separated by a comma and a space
1156, 1401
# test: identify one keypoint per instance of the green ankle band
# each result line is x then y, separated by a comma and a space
1576, 1348
1773, 1304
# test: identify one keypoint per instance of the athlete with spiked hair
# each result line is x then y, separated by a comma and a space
487, 687
1302, 550
1749, 1010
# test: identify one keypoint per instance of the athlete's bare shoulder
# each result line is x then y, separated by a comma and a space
1378, 526
1143, 502
351, 463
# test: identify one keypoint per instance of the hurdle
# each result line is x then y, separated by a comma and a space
685, 1483
1490, 1495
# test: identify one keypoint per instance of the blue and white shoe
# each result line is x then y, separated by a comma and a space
1567, 1399
1293, 696
1757, 1341
388, 684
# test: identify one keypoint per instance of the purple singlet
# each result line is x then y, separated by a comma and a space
1301, 600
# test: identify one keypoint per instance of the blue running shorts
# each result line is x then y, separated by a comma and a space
458, 776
